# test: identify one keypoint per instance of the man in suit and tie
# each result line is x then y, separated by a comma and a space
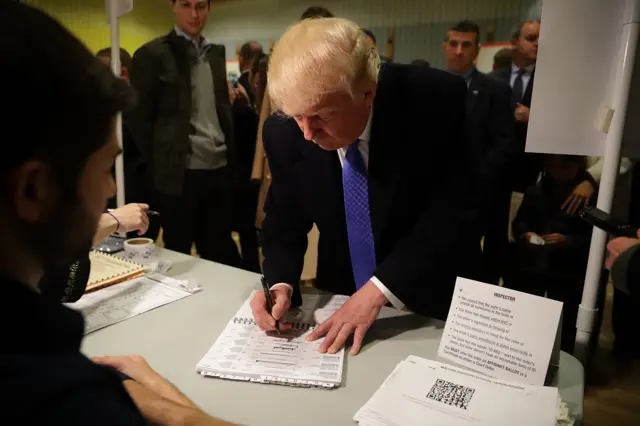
381, 173
520, 76
490, 134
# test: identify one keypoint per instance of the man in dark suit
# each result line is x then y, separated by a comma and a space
490, 135
248, 53
183, 126
520, 76
380, 172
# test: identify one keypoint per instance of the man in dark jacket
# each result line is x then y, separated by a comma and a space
54, 185
183, 126
491, 142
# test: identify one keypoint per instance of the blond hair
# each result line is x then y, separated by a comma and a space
316, 57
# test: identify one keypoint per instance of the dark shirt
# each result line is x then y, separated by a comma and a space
44, 377
541, 213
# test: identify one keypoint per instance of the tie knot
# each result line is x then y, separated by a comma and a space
521, 72
354, 158
353, 147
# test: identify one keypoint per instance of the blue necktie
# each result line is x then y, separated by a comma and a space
356, 206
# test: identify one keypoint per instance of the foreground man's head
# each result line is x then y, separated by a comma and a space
60, 143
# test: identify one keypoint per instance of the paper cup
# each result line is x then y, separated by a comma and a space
140, 250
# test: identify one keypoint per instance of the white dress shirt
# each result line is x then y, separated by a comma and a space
526, 76
363, 148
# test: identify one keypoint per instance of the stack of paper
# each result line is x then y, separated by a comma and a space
427, 393
129, 299
246, 353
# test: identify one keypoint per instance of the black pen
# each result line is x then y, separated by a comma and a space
152, 213
267, 295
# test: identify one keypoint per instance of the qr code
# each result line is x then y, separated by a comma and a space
451, 394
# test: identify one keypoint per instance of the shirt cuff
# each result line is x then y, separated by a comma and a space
395, 302
289, 286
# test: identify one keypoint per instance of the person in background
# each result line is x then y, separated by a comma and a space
54, 185
520, 76
246, 192
624, 263
370, 37
126, 62
503, 58
68, 283
552, 247
421, 63
349, 156
136, 169
314, 12
248, 52
183, 124
490, 135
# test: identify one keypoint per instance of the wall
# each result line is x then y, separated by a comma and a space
420, 25
88, 20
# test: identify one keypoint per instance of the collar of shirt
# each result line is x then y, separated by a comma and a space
363, 146
201, 47
468, 75
527, 70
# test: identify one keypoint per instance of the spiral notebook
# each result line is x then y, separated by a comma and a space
107, 270
244, 352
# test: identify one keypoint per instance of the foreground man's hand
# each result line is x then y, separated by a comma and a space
137, 368
158, 410
354, 317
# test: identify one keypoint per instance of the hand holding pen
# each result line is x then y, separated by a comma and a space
270, 305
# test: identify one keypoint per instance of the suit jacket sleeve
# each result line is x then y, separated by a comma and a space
286, 223
501, 133
144, 74
442, 240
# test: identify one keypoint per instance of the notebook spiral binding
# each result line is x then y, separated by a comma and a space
297, 326
271, 380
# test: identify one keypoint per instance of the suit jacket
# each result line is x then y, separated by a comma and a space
161, 122
490, 129
422, 210
243, 80
526, 168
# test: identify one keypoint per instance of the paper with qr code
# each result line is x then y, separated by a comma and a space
420, 392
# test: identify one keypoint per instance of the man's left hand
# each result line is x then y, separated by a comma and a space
522, 113
354, 317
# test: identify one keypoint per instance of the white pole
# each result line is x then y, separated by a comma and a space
114, 24
624, 71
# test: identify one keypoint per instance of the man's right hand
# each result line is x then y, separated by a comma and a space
266, 320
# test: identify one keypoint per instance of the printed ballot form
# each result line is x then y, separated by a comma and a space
420, 392
500, 332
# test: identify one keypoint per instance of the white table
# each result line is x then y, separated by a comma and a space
174, 338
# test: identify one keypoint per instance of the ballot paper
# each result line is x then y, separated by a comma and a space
126, 300
244, 352
420, 392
